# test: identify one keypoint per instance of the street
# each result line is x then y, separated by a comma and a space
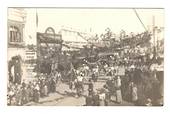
65, 97
51, 60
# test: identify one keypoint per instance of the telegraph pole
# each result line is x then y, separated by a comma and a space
153, 21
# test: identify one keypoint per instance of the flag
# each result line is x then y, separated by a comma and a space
159, 30
30, 36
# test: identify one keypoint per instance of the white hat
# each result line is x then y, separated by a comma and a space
149, 100
132, 66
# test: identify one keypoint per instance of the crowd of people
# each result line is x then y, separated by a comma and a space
138, 85
20, 94
133, 81
127, 74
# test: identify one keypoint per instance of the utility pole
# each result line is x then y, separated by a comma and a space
153, 22
154, 43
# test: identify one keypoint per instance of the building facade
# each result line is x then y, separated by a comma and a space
16, 44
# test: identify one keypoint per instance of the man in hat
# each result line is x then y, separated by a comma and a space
96, 100
90, 87
79, 84
148, 102
89, 100
93, 75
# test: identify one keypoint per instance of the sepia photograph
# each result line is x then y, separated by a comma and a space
89, 56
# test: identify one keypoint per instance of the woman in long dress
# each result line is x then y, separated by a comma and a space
118, 90
134, 94
118, 96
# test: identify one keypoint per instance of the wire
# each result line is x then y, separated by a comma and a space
140, 19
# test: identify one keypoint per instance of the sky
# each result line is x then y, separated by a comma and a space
91, 20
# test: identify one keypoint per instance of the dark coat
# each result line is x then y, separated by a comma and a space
96, 100
89, 101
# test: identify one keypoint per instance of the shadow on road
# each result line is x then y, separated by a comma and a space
69, 94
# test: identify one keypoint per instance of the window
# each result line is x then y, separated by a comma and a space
14, 34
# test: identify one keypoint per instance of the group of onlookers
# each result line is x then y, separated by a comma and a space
20, 94
139, 86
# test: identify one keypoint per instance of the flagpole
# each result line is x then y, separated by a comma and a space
37, 41
36, 21
153, 21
